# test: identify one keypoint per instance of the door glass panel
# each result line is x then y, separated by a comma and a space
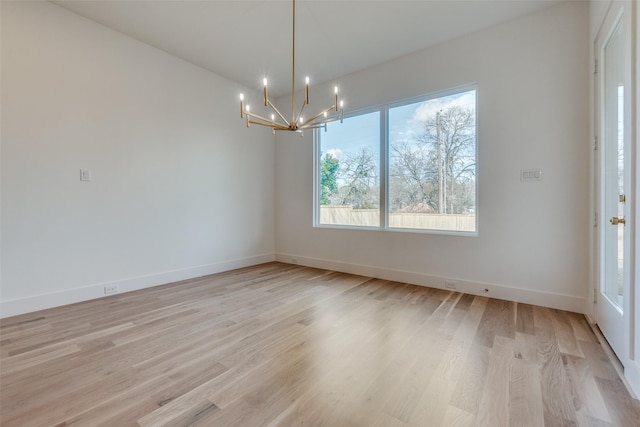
613, 147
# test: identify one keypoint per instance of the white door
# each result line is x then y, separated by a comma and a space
613, 134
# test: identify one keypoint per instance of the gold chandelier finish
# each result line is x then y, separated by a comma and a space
297, 123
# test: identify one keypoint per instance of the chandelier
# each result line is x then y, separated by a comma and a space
297, 121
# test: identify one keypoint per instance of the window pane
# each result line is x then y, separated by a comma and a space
350, 172
432, 164
614, 156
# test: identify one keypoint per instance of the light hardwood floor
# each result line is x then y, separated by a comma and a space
283, 345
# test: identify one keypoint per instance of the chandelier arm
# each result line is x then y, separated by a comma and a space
273, 107
276, 126
321, 113
310, 124
300, 113
266, 121
317, 125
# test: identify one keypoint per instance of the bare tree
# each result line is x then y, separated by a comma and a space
452, 132
437, 170
359, 179
413, 187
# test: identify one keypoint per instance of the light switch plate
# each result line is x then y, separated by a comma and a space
85, 175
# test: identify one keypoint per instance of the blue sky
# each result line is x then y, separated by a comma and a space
355, 133
404, 121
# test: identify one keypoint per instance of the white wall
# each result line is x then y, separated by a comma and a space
533, 244
180, 187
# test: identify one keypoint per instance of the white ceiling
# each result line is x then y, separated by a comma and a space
247, 40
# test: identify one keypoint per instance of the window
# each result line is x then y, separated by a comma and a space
427, 181
350, 172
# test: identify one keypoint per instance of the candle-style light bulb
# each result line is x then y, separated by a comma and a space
241, 107
335, 101
264, 82
306, 90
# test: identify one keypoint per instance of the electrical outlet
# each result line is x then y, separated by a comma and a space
450, 285
527, 175
85, 175
111, 289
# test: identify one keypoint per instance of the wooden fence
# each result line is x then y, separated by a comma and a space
346, 215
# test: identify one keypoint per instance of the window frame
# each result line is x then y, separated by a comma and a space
383, 109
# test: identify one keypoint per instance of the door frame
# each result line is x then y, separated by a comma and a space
631, 21
607, 315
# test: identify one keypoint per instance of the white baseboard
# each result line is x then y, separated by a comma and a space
69, 296
632, 375
528, 296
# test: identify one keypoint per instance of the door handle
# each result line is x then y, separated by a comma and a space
615, 220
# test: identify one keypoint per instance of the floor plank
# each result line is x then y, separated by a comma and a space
283, 345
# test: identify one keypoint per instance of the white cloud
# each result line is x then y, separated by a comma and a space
431, 107
335, 152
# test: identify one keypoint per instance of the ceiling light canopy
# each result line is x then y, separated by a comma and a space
278, 121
